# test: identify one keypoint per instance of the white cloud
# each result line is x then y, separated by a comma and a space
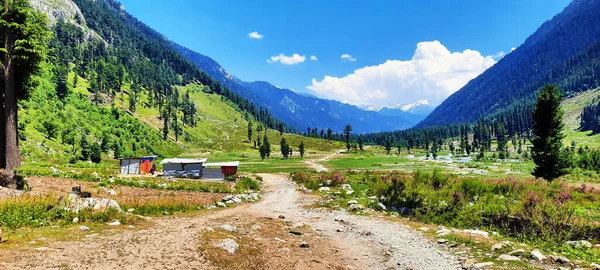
499, 55
314, 58
347, 57
255, 35
287, 60
433, 74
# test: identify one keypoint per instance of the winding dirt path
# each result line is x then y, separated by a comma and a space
314, 163
340, 240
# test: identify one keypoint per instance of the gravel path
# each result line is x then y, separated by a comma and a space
379, 243
172, 242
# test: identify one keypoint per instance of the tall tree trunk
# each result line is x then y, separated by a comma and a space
12, 155
2, 133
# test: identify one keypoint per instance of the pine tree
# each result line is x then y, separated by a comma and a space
23, 46
388, 146
85, 148
548, 133
250, 132
95, 153
360, 143
267, 146
347, 132
285, 148
301, 149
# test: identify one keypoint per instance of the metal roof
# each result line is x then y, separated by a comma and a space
153, 157
223, 164
183, 160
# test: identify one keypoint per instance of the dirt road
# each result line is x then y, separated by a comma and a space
337, 241
314, 163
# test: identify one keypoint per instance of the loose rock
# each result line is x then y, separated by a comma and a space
75, 220
228, 228
304, 245
228, 244
114, 223
352, 202
482, 265
84, 228
517, 252
506, 257
579, 244
497, 246
561, 259
538, 255
221, 204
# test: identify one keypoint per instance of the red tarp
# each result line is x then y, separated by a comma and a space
228, 170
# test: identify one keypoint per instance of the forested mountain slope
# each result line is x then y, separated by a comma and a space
115, 86
564, 50
302, 111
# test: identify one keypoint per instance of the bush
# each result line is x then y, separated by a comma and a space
247, 183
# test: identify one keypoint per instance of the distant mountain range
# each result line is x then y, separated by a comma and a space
303, 110
564, 50
421, 107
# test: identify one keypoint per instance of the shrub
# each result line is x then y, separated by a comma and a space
247, 183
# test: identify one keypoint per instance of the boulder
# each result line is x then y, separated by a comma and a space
506, 257
355, 207
114, 223
75, 203
478, 232
228, 244
237, 200
227, 198
221, 204
228, 228
482, 265
537, 254
230, 202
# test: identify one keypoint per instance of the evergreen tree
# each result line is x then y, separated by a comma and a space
347, 132
360, 143
95, 153
263, 151
250, 132
548, 133
301, 149
267, 146
388, 146
85, 148
62, 88
132, 102
23, 45
285, 148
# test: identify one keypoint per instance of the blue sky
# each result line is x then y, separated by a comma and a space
372, 32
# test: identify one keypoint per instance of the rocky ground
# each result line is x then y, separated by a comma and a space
278, 232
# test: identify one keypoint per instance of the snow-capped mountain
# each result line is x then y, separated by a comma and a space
421, 107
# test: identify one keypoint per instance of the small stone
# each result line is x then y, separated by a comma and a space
323, 189
352, 202
209, 229
497, 246
561, 259
506, 257
424, 229
469, 263
84, 228
131, 227
230, 202
221, 204
227, 198
114, 223
442, 241
75, 220
304, 245
443, 232
482, 265
280, 240
537, 254
237, 200
349, 192
339, 230
42, 248
517, 252
130, 210
284, 250
295, 233
595, 266
355, 207
381, 206
256, 227
228, 244
281, 216
477, 232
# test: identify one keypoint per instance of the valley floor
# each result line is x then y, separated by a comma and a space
269, 234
